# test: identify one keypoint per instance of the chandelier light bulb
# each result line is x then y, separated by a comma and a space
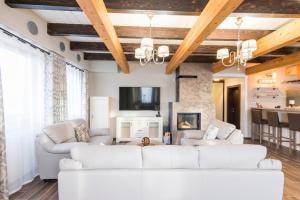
222, 53
147, 44
139, 53
163, 51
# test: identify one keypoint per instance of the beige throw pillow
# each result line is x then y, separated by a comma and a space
82, 133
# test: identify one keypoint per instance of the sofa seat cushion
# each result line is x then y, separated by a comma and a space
193, 134
107, 140
195, 142
65, 147
60, 132
171, 157
108, 156
231, 156
225, 129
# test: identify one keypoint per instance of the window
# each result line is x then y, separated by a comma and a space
76, 94
22, 73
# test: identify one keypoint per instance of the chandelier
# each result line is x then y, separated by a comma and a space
147, 54
243, 53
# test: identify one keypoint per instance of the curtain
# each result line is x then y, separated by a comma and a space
77, 87
22, 73
56, 109
3, 169
85, 103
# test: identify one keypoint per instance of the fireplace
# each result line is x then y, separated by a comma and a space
188, 121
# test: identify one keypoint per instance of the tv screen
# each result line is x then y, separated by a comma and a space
139, 98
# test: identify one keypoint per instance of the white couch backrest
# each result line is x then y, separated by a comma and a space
109, 157
231, 156
178, 157
60, 132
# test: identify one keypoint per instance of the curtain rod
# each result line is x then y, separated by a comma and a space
24, 41
35, 46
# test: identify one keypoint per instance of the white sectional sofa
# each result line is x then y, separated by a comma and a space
221, 172
227, 134
49, 152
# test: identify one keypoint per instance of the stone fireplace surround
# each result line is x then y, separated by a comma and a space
194, 95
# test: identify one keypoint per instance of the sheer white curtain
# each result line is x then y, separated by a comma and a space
23, 99
76, 94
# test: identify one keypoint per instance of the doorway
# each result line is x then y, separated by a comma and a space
234, 105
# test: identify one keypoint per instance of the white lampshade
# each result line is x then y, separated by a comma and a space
147, 44
222, 53
249, 45
246, 54
163, 51
139, 53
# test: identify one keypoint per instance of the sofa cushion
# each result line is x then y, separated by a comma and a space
107, 140
82, 133
231, 156
60, 132
270, 164
65, 147
109, 157
193, 134
225, 129
166, 156
211, 133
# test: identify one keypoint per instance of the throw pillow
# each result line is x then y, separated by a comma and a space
211, 133
82, 133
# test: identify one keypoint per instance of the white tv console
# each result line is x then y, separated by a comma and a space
134, 128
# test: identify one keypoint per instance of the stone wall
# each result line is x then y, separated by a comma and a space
195, 95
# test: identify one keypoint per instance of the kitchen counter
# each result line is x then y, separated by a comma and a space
282, 112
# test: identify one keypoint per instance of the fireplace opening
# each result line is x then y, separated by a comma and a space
188, 121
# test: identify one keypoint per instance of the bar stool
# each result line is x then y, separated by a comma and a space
294, 126
276, 134
257, 124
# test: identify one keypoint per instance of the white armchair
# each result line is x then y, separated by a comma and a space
227, 134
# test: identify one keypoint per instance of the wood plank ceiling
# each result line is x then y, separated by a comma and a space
204, 53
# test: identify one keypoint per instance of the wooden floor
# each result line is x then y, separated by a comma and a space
40, 190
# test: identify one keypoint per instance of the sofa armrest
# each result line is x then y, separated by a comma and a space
236, 137
99, 131
270, 164
69, 164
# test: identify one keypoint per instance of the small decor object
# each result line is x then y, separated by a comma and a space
292, 103
158, 114
82, 133
167, 138
145, 141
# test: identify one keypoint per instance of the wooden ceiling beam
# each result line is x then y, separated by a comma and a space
285, 35
213, 14
284, 61
96, 12
84, 30
258, 8
202, 49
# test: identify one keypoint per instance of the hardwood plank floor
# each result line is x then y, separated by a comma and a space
40, 190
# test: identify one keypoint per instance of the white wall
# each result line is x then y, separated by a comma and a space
16, 21
108, 83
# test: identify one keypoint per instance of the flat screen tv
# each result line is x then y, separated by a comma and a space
139, 98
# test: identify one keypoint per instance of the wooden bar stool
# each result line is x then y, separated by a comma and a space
257, 124
294, 126
276, 125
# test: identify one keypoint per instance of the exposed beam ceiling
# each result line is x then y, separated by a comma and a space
285, 35
273, 8
96, 11
194, 58
213, 14
284, 61
158, 33
202, 49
